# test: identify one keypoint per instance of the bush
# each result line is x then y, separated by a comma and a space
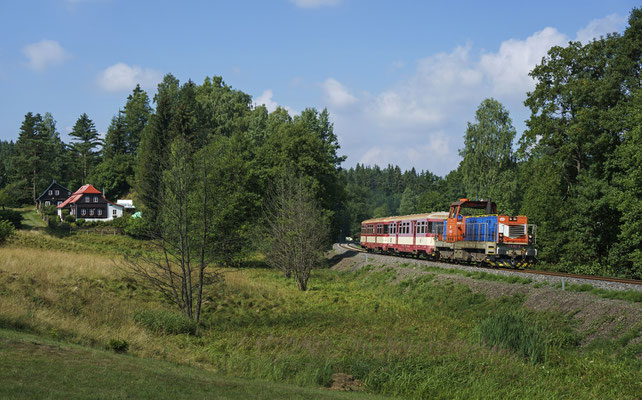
50, 210
56, 228
118, 345
12, 216
6, 229
70, 219
80, 222
161, 321
137, 228
513, 331
121, 222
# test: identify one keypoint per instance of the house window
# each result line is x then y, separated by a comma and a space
50, 192
100, 212
47, 203
91, 212
87, 199
114, 212
83, 212
57, 192
95, 199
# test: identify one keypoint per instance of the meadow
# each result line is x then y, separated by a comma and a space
416, 338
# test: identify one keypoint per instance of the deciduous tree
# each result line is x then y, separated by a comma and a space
297, 230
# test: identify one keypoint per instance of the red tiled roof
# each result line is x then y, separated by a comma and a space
84, 189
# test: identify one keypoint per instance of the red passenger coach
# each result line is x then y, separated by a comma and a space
413, 234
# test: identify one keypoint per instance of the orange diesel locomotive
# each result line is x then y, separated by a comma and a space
471, 232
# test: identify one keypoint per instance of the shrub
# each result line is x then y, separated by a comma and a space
80, 221
70, 219
6, 229
118, 345
121, 222
50, 210
161, 321
137, 228
12, 216
513, 331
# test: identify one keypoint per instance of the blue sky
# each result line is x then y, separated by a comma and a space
400, 78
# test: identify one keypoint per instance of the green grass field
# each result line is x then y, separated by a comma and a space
33, 367
412, 338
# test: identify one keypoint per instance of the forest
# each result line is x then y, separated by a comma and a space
576, 171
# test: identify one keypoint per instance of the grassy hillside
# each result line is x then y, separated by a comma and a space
424, 337
35, 368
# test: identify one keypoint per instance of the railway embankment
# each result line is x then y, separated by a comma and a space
599, 309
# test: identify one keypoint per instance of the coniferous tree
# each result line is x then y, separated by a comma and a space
116, 137
86, 142
135, 118
152, 154
30, 149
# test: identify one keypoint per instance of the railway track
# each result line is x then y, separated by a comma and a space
353, 247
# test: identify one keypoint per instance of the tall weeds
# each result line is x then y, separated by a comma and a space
513, 331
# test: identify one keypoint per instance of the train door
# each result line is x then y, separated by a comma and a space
414, 233
397, 223
454, 225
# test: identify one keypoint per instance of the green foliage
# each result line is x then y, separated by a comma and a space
86, 140
5, 198
113, 175
120, 376
118, 345
57, 228
580, 166
70, 219
152, 153
6, 230
80, 222
30, 151
488, 164
136, 227
50, 210
165, 322
515, 332
14, 217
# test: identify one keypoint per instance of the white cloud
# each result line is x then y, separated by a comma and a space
121, 77
315, 3
44, 54
600, 27
508, 68
427, 155
336, 94
266, 99
420, 120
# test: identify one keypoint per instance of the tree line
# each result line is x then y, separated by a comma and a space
576, 171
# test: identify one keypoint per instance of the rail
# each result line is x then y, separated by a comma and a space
531, 271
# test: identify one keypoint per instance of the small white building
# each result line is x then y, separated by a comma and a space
127, 204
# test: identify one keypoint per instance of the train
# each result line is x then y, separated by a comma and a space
471, 232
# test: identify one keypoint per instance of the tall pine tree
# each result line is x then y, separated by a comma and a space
86, 142
30, 148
